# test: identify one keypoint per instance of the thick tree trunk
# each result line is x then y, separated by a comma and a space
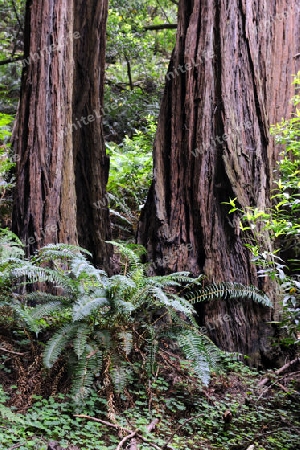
91, 162
62, 168
45, 202
228, 80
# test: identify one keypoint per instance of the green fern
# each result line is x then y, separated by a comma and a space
107, 315
120, 374
229, 290
201, 351
80, 340
86, 305
59, 252
26, 315
126, 339
84, 374
57, 344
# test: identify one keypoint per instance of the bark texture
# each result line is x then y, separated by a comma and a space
228, 80
61, 163
45, 204
91, 162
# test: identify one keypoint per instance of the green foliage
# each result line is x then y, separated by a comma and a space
97, 320
11, 46
130, 177
281, 222
187, 415
137, 60
229, 290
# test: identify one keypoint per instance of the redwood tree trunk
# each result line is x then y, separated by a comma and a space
61, 169
228, 80
91, 162
45, 201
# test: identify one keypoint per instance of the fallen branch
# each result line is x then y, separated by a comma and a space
104, 422
125, 439
134, 434
10, 351
15, 446
280, 371
131, 434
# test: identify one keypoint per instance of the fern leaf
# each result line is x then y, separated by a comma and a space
83, 376
120, 374
79, 343
26, 315
228, 290
52, 252
171, 301
40, 311
86, 305
126, 341
57, 344
202, 353
44, 297
80, 266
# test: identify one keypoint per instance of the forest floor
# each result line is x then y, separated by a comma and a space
240, 409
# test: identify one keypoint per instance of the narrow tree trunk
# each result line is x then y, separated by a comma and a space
91, 162
45, 202
228, 80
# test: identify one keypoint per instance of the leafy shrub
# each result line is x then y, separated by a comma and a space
99, 322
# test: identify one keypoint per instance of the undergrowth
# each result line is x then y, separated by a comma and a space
190, 417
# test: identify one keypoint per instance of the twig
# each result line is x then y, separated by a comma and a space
14, 446
152, 425
133, 444
10, 60
104, 422
135, 433
125, 439
131, 433
279, 371
16, 14
14, 353
162, 26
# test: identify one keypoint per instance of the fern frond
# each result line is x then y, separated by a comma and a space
229, 290
10, 245
83, 375
39, 297
104, 339
36, 274
81, 267
171, 301
201, 351
122, 282
53, 252
26, 315
57, 343
86, 305
40, 311
79, 343
151, 350
126, 339
127, 253
120, 374
124, 308
7, 414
